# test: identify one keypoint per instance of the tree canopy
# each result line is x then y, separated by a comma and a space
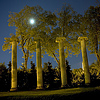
67, 25
25, 32
91, 28
48, 26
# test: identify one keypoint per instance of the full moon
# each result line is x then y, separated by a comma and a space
32, 21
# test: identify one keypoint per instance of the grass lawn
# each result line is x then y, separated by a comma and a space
61, 94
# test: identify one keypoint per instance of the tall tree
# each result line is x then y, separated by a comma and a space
47, 27
28, 33
67, 25
68, 22
49, 75
69, 72
91, 27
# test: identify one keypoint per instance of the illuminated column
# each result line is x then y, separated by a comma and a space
85, 59
14, 66
62, 61
39, 66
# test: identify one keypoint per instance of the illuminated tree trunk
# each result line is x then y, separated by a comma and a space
25, 64
39, 66
14, 67
62, 61
85, 59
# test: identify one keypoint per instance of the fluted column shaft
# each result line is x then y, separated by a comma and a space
39, 66
82, 40
62, 61
14, 67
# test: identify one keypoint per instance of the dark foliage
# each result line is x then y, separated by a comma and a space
9, 66
69, 73
49, 76
4, 78
27, 79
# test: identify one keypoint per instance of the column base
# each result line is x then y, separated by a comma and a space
87, 84
39, 88
13, 89
64, 86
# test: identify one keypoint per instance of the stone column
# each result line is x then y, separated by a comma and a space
14, 66
39, 66
85, 59
62, 61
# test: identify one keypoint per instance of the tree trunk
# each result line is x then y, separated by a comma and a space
97, 49
26, 55
25, 63
56, 59
98, 59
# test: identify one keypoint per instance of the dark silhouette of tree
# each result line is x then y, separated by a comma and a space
27, 78
48, 75
69, 73
3, 77
9, 66
32, 66
32, 76
9, 75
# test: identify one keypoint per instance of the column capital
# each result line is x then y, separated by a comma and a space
58, 39
36, 39
14, 38
82, 38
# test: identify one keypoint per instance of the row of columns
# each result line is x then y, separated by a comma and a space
60, 40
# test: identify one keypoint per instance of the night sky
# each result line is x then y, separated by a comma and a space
51, 5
